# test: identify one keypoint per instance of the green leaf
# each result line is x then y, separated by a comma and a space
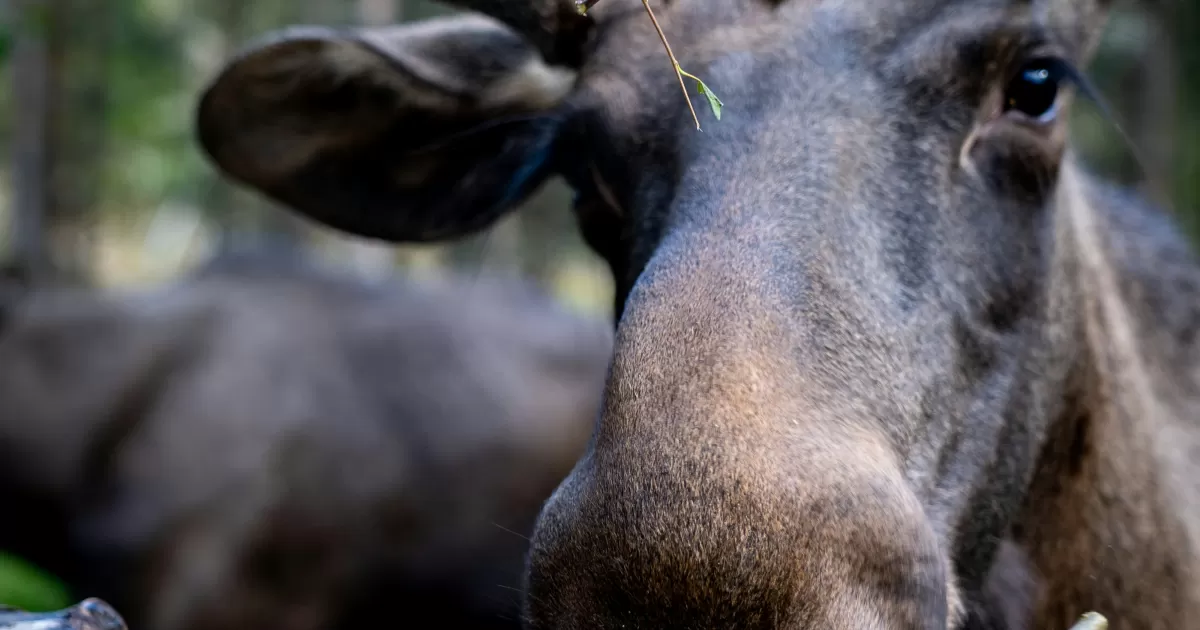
714, 103
5, 44
25, 586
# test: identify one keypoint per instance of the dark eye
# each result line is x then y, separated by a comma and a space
1034, 91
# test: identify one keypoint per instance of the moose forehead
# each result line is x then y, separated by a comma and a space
770, 61
781, 68
877, 22
906, 40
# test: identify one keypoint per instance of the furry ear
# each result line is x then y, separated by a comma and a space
419, 132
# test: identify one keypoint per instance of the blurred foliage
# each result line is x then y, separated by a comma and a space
138, 202
27, 587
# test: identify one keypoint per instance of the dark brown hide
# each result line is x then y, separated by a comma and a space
271, 446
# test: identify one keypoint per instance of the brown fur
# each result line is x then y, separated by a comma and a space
877, 339
271, 446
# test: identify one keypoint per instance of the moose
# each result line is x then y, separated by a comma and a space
270, 444
887, 354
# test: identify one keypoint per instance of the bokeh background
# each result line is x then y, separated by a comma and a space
102, 184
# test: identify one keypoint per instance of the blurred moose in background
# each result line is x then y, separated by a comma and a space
267, 444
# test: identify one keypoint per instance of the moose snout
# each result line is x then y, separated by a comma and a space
628, 543
725, 490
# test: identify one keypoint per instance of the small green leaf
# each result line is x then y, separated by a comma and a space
1091, 621
5, 45
714, 103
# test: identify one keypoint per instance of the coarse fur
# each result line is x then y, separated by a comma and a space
268, 444
887, 355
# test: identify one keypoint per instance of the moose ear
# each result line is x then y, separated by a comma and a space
420, 132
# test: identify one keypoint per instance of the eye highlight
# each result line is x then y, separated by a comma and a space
1033, 92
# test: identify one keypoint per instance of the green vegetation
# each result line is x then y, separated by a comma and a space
27, 587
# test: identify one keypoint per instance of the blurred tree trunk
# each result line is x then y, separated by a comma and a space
34, 90
217, 195
79, 129
242, 214
1158, 96
61, 104
1183, 18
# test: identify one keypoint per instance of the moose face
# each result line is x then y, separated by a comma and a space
845, 323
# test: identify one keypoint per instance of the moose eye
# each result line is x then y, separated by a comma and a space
1034, 90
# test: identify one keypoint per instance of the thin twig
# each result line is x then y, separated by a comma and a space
674, 63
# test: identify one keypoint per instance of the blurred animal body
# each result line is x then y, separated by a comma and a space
267, 444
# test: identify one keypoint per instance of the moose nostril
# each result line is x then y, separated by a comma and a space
98, 615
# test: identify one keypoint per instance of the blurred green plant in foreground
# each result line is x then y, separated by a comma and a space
27, 587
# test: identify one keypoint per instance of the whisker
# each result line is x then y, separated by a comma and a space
520, 591
517, 534
1089, 90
